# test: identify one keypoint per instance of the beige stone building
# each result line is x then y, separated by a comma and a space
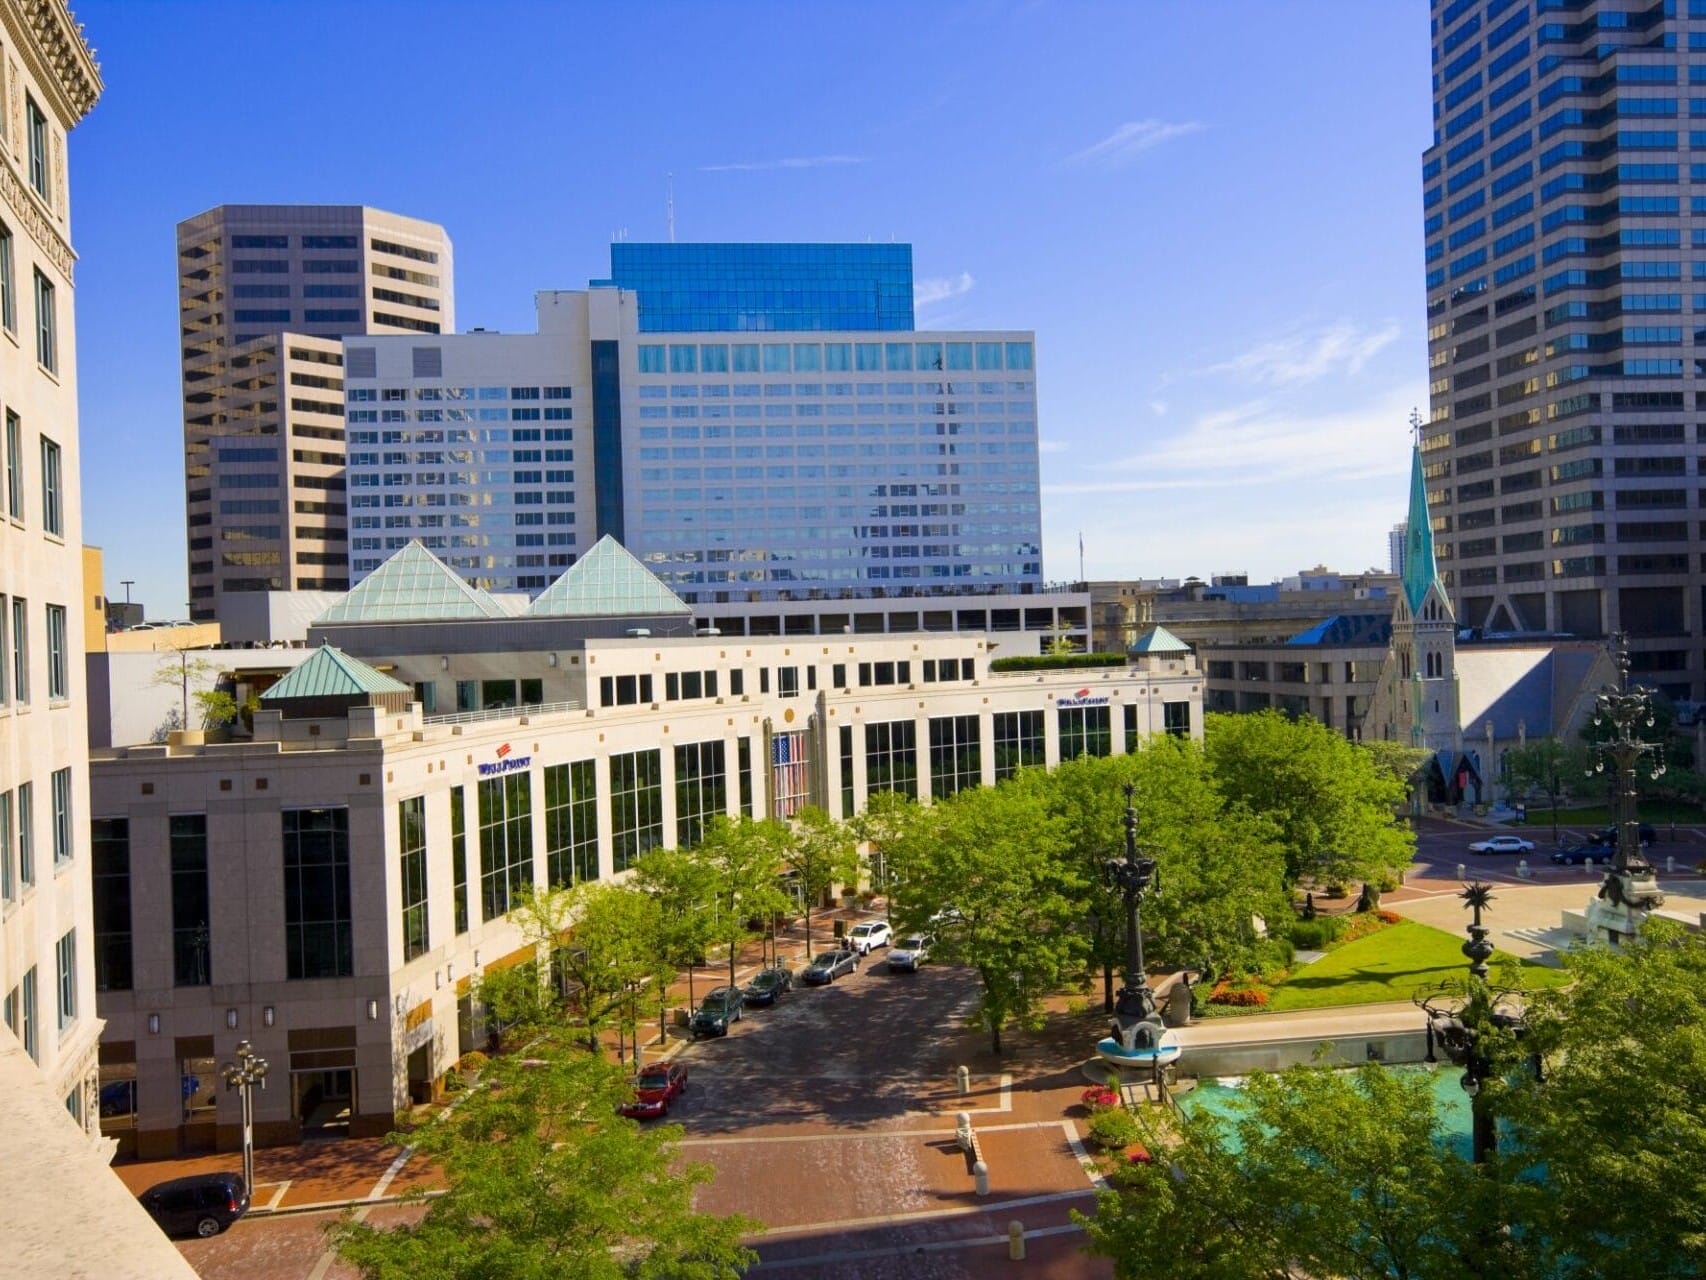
265, 294
332, 887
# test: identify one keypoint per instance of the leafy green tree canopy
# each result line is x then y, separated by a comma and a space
823, 853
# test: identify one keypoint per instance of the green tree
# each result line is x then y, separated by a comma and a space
542, 1179
1335, 811
1002, 861
613, 949
1618, 1118
518, 999
888, 820
823, 852
1086, 794
1396, 759
684, 888
1549, 766
177, 670
1321, 1173
743, 860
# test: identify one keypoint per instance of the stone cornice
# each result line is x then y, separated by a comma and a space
37, 225
50, 42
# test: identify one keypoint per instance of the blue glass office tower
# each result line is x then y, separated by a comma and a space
718, 288
1564, 212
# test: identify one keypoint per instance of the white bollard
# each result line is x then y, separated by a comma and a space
1670, 863
964, 1074
962, 1130
1462, 871
1522, 867
1016, 1240
1587, 864
980, 1177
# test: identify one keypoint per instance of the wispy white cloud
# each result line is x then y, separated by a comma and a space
934, 290
1048, 444
1131, 140
1340, 349
1261, 443
787, 162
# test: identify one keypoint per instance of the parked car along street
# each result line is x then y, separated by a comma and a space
1607, 838
716, 1012
1502, 844
655, 1088
867, 936
202, 1204
910, 952
768, 985
827, 966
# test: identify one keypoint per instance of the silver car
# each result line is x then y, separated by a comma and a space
910, 952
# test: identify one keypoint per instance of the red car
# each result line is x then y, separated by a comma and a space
655, 1088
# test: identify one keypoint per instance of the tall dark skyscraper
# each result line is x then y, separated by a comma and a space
1566, 278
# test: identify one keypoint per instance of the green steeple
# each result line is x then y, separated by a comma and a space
1420, 569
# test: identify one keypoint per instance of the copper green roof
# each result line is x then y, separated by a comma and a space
413, 585
1159, 640
331, 673
1420, 569
608, 582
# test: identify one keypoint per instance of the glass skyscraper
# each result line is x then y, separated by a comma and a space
1566, 297
716, 288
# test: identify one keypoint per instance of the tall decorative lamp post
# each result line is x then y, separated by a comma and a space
243, 1075
1138, 1037
1630, 890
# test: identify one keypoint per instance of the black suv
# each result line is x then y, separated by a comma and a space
204, 1203
716, 1012
1608, 837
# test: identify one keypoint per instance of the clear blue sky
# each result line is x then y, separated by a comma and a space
1209, 211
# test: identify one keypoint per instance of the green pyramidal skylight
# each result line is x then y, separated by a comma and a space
607, 582
1159, 640
331, 673
412, 586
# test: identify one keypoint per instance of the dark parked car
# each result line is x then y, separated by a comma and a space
203, 1204
1608, 837
767, 985
716, 1012
655, 1088
1576, 854
827, 966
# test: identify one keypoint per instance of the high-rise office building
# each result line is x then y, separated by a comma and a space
751, 421
1562, 451
49, 961
265, 294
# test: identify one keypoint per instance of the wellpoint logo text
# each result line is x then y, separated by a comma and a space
505, 763
1081, 699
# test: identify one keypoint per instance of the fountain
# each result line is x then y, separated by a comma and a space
1139, 1040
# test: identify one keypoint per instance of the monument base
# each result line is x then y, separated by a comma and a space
1140, 1063
1612, 923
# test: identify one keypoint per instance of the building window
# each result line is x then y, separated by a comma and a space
65, 964
459, 860
318, 937
846, 745
200, 1089
891, 757
28, 1022
35, 128
1176, 718
14, 466
20, 651
1130, 729
956, 755
571, 822
743, 755
191, 966
47, 325
26, 834
8, 884
506, 841
52, 494
1084, 731
8, 282
109, 859
790, 773
60, 790
58, 668
1018, 741
701, 789
636, 806
411, 838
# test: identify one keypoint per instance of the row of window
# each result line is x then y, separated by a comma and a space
16, 687
19, 1010
833, 357
398, 395
17, 834
46, 317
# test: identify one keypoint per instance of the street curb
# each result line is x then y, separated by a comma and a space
326, 1206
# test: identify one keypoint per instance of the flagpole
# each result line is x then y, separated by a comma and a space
1081, 576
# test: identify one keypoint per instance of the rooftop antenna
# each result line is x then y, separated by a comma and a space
671, 180
1416, 425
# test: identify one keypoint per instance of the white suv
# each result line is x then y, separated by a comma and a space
868, 936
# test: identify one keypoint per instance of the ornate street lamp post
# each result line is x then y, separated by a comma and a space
1630, 889
243, 1075
1133, 875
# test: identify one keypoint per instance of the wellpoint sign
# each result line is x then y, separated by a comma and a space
1081, 699
505, 763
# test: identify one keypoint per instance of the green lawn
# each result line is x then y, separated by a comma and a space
1389, 965
1657, 812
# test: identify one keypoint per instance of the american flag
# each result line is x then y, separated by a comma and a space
503, 751
788, 773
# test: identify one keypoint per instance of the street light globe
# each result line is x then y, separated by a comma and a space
1471, 1084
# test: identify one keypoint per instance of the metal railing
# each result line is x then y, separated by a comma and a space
503, 713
